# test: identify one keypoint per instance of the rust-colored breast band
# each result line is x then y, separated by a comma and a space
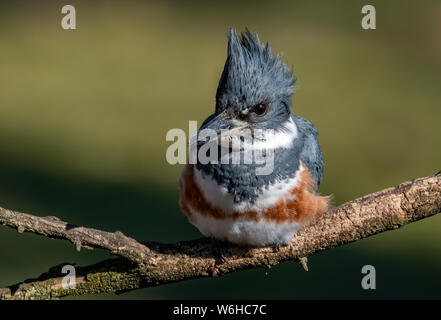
303, 206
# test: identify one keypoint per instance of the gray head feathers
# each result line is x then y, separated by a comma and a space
253, 74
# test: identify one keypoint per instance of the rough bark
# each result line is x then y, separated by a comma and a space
141, 264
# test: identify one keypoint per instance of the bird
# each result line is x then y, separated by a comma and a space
229, 201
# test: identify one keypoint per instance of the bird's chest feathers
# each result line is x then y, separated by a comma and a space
276, 214
264, 196
268, 160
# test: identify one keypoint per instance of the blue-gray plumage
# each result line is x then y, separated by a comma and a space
311, 154
229, 199
253, 76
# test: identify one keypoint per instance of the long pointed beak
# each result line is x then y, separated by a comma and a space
223, 126
224, 123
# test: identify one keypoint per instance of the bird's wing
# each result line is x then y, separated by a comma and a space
311, 153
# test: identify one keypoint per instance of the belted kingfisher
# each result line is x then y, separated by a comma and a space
229, 201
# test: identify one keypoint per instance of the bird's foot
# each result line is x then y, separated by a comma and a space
218, 249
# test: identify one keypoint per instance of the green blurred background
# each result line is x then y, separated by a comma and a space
84, 113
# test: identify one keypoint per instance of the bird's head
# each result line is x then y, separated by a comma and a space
255, 87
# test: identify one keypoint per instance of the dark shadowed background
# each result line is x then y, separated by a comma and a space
84, 114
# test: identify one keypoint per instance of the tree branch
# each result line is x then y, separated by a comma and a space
141, 265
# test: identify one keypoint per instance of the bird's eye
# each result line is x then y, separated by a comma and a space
260, 109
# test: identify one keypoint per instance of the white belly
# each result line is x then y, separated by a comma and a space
246, 231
